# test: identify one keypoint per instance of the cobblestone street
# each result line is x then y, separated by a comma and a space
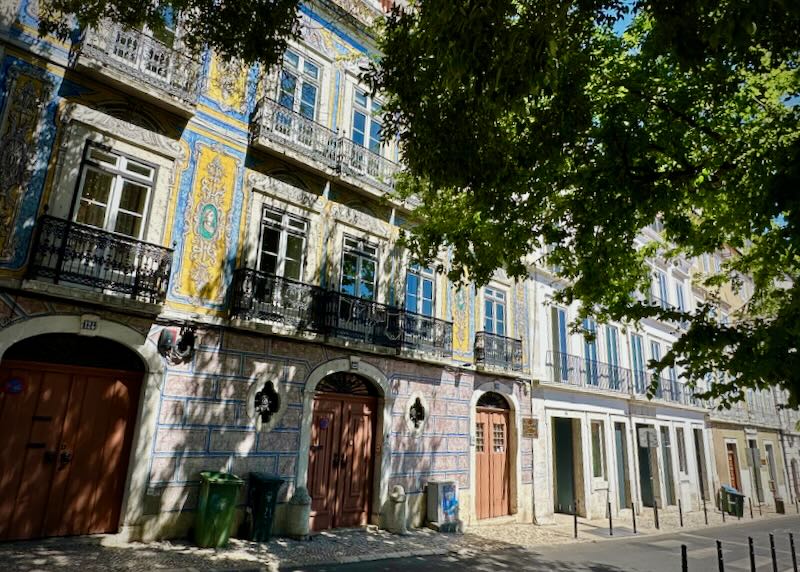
96, 553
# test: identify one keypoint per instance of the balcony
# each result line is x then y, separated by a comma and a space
142, 66
672, 391
581, 372
269, 298
286, 303
278, 129
92, 259
498, 351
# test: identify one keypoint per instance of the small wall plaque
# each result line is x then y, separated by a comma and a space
530, 428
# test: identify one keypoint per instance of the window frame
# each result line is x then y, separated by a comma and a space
640, 373
598, 463
363, 249
119, 176
284, 229
496, 297
368, 111
301, 77
423, 274
680, 441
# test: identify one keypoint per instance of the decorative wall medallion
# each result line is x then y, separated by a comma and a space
208, 223
27, 94
417, 413
267, 402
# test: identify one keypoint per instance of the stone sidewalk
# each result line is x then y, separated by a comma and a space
107, 553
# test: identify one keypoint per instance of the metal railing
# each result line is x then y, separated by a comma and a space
279, 124
667, 389
582, 372
265, 297
83, 255
357, 160
498, 351
260, 296
144, 58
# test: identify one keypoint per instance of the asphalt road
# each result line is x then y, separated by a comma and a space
654, 553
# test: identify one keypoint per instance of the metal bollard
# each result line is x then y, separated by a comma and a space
752, 554
759, 510
655, 513
794, 554
705, 511
633, 516
772, 552
750, 501
721, 507
797, 505
680, 513
720, 561
610, 522
684, 559
575, 518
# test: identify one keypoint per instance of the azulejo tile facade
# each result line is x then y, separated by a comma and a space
220, 238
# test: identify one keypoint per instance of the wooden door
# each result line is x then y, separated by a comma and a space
65, 439
492, 463
732, 466
340, 464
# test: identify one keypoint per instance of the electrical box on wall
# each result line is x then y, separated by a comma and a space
443, 506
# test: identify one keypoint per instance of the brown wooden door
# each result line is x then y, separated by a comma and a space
340, 463
492, 463
732, 462
65, 440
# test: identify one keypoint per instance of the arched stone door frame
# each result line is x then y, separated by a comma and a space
383, 456
131, 511
515, 425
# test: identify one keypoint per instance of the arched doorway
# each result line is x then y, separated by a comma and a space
67, 416
492, 444
342, 450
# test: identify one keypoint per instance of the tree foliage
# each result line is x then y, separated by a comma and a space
573, 125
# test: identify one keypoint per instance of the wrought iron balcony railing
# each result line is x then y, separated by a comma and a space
357, 160
280, 124
260, 296
144, 59
498, 351
85, 256
582, 372
667, 389
277, 124
427, 334
265, 297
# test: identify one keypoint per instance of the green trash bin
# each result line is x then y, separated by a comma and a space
263, 494
732, 501
216, 508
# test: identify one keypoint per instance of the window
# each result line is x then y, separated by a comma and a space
680, 296
359, 268
590, 352
681, 439
637, 358
283, 244
773, 471
655, 353
560, 344
366, 121
494, 311
612, 349
660, 288
299, 85
598, 450
673, 383
114, 192
420, 290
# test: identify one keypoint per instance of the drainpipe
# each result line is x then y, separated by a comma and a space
533, 340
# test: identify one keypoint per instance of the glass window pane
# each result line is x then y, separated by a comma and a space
367, 286
133, 197
97, 186
488, 316
375, 137
501, 313
308, 100
311, 70
359, 124
361, 98
294, 257
270, 239
103, 157
128, 224
427, 289
138, 169
349, 269
291, 58
288, 87
91, 214
427, 308
268, 263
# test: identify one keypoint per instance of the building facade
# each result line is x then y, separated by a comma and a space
200, 270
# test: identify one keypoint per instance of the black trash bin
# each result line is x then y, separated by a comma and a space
263, 496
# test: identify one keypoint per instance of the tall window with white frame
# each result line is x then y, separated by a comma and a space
637, 363
661, 291
590, 351
494, 311
299, 84
612, 351
283, 244
359, 268
560, 358
114, 192
655, 354
420, 290
366, 121
680, 438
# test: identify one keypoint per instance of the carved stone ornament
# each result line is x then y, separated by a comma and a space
267, 402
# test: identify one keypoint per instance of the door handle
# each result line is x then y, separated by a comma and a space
64, 459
